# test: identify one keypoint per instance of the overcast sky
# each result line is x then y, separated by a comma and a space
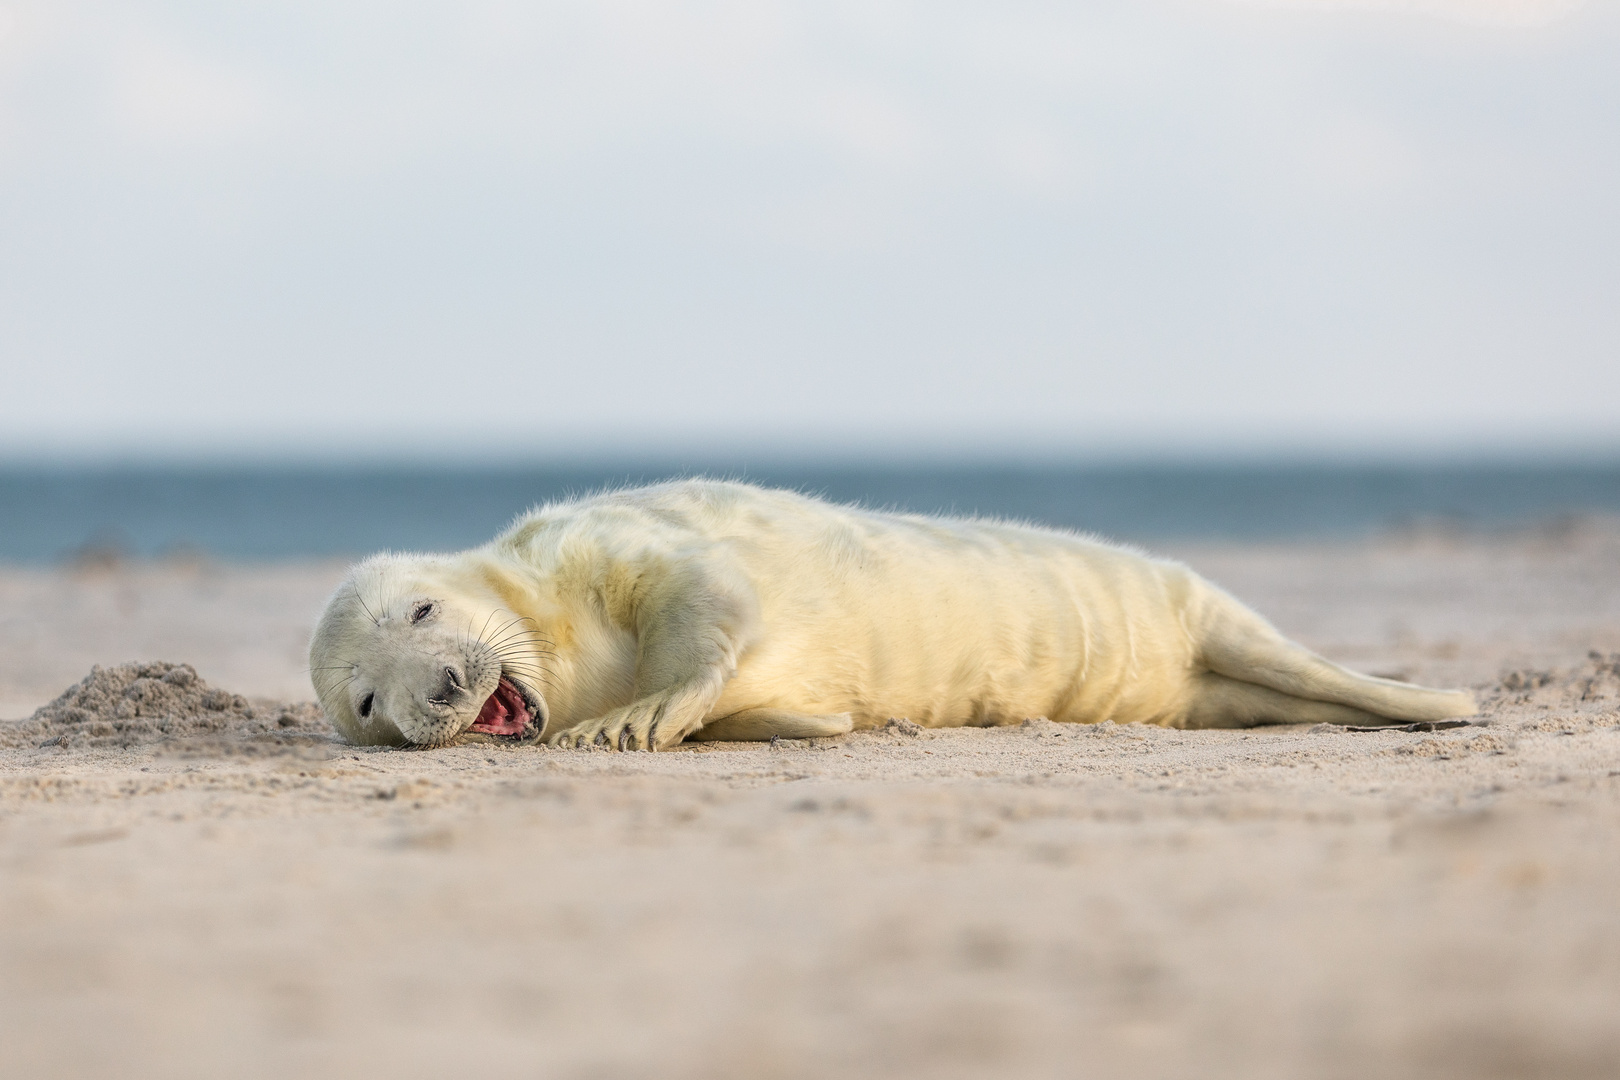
531, 229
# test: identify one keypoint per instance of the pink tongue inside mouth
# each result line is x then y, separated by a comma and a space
505, 712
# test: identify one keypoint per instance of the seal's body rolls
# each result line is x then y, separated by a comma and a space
704, 608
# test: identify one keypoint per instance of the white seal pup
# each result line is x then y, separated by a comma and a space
704, 609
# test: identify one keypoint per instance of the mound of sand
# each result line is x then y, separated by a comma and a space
134, 704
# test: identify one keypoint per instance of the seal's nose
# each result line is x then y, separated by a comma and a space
454, 686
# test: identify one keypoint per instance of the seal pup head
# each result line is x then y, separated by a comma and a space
413, 650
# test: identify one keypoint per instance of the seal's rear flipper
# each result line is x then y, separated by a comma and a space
761, 725
1237, 643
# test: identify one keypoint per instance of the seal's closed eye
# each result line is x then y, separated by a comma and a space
365, 705
421, 611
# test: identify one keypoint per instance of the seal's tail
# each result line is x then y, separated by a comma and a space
1240, 645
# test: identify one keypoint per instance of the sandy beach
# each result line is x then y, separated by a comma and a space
255, 899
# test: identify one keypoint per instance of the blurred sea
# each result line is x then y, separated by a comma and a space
248, 513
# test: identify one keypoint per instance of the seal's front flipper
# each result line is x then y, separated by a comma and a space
761, 725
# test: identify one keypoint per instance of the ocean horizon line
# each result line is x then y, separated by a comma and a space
243, 513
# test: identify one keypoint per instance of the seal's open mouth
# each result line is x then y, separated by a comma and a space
506, 711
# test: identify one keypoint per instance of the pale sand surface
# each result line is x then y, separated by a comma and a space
1036, 900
